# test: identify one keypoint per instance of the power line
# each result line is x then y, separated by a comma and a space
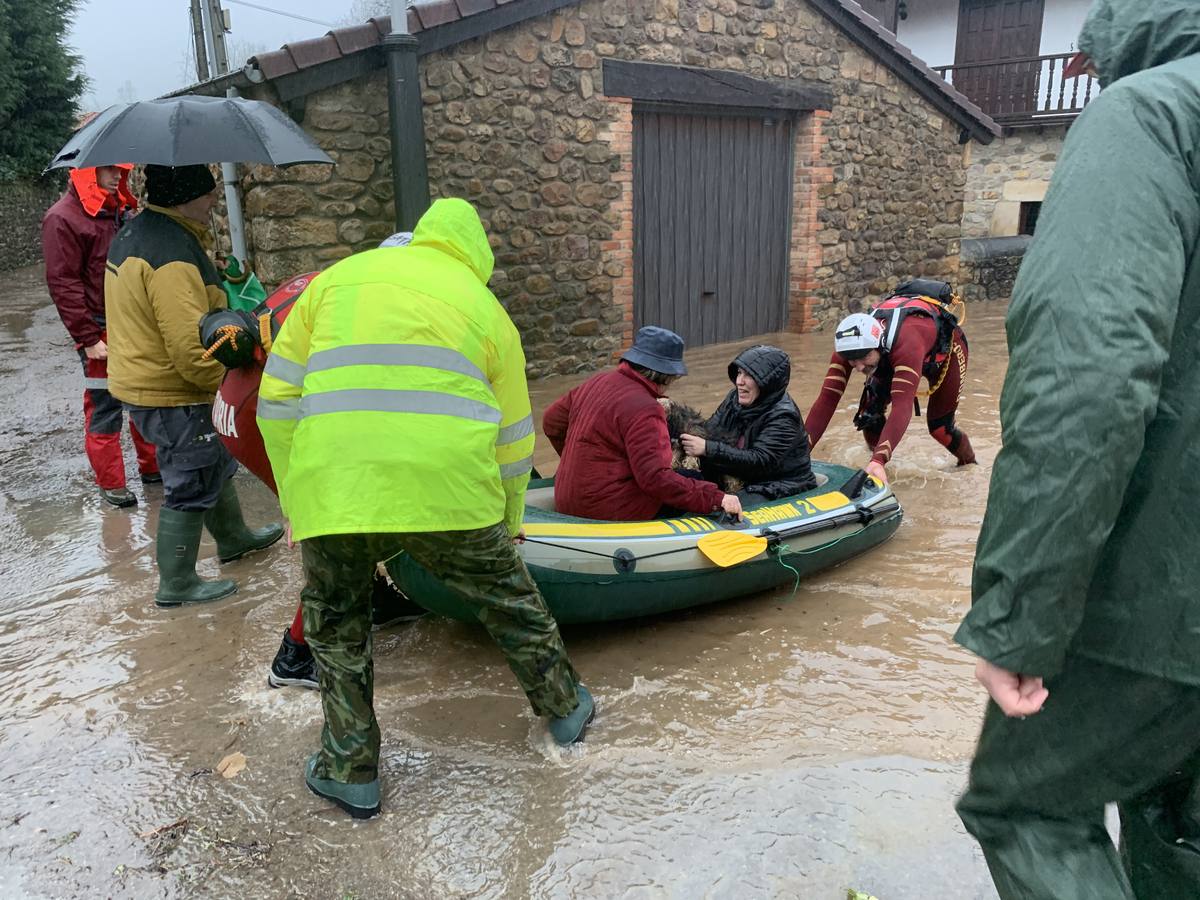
280, 12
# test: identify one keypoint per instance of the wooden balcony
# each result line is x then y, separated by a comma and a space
1024, 91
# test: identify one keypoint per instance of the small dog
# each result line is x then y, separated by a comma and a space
683, 419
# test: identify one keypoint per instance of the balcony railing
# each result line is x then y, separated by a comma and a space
1023, 91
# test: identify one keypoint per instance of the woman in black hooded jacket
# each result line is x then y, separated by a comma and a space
770, 451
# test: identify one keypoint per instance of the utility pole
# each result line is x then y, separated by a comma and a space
218, 19
198, 42
410, 174
214, 22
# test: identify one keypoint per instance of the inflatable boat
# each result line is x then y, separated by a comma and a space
595, 571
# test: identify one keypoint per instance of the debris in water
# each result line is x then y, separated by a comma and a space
231, 765
165, 838
238, 854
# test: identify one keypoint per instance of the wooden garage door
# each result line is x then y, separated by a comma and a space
712, 201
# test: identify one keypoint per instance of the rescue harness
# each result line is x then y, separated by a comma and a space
934, 300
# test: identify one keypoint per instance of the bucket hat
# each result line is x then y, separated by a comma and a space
657, 349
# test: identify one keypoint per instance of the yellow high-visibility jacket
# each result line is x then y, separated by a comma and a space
394, 399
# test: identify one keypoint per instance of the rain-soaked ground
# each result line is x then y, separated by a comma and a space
775, 746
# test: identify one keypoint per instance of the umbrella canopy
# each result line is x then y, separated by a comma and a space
181, 131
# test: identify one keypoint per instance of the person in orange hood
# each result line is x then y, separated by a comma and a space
76, 234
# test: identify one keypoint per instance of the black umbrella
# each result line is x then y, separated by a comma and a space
181, 131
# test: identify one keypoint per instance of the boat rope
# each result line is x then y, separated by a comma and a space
777, 552
228, 335
530, 540
264, 331
821, 547
608, 556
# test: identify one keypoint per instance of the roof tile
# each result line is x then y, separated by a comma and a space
274, 64
432, 13
471, 7
438, 12
358, 37
314, 51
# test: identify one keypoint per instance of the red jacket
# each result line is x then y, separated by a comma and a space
611, 433
75, 246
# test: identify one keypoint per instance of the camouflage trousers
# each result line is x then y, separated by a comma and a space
483, 566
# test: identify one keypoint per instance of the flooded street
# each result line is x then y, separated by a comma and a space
773, 746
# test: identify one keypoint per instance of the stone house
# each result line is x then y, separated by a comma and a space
1008, 56
722, 167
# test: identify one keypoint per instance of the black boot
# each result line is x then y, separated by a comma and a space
390, 605
293, 665
119, 497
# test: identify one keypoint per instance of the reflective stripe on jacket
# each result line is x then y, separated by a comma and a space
394, 398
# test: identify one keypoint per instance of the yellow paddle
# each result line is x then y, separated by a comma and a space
728, 548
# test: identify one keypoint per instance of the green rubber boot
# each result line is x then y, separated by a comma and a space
176, 550
360, 800
234, 540
569, 728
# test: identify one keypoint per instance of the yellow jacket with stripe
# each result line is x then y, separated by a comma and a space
158, 282
394, 399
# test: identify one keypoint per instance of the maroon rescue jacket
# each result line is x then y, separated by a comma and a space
75, 246
611, 433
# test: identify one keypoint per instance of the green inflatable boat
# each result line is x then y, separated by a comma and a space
594, 571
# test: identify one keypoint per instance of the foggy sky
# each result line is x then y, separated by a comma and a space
136, 49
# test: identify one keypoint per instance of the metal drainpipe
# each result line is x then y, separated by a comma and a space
410, 175
233, 199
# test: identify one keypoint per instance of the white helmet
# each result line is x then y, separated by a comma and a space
857, 335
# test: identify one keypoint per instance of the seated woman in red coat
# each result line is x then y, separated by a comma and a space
611, 433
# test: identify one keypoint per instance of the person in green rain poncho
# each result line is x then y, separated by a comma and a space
1086, 592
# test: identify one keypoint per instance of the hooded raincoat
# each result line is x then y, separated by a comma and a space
394, 399
767, 446
1086, 570
1089, 542
76, 234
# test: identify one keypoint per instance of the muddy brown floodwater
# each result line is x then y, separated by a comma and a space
774, 746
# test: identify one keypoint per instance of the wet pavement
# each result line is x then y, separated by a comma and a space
773, 746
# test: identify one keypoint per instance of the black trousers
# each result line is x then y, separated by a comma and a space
194, 463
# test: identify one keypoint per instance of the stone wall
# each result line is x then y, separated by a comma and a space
306, 217
22, 205
517, 123
1012, 169
989, 266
